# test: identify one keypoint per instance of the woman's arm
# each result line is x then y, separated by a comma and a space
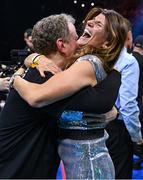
58, 87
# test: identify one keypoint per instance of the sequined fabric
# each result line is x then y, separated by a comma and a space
86, 159
97, 65
77, 120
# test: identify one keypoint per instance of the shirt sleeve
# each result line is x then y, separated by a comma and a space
127, 103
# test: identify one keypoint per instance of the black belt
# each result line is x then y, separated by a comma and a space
81, 134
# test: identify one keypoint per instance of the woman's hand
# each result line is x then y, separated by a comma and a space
45, 64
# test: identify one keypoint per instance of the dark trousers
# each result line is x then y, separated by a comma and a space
120, 149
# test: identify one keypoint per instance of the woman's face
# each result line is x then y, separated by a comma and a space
94, 32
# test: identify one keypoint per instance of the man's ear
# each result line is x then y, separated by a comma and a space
60, 45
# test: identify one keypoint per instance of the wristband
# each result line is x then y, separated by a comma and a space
35, 61
12, 79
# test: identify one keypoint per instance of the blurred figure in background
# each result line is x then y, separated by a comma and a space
138, 54
28, 40
18, 55
4, 86
125, 131
6, 70
4, 83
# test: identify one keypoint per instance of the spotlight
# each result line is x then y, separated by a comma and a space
92, 4
82, 5
75, 1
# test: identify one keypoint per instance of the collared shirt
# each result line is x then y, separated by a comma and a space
128, 92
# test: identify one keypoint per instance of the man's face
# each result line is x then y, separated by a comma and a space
71, 46
94, 32
129, 41
28, 40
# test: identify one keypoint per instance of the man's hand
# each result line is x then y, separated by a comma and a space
4, 83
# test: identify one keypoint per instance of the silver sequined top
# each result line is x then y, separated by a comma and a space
76, 119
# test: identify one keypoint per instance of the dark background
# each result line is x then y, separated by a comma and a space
18, 15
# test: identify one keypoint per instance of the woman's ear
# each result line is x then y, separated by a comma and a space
104, 45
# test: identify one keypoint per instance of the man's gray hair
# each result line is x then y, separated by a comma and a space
48, 30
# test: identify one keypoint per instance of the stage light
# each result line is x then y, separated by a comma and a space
75, 1
92, 4
82, 5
